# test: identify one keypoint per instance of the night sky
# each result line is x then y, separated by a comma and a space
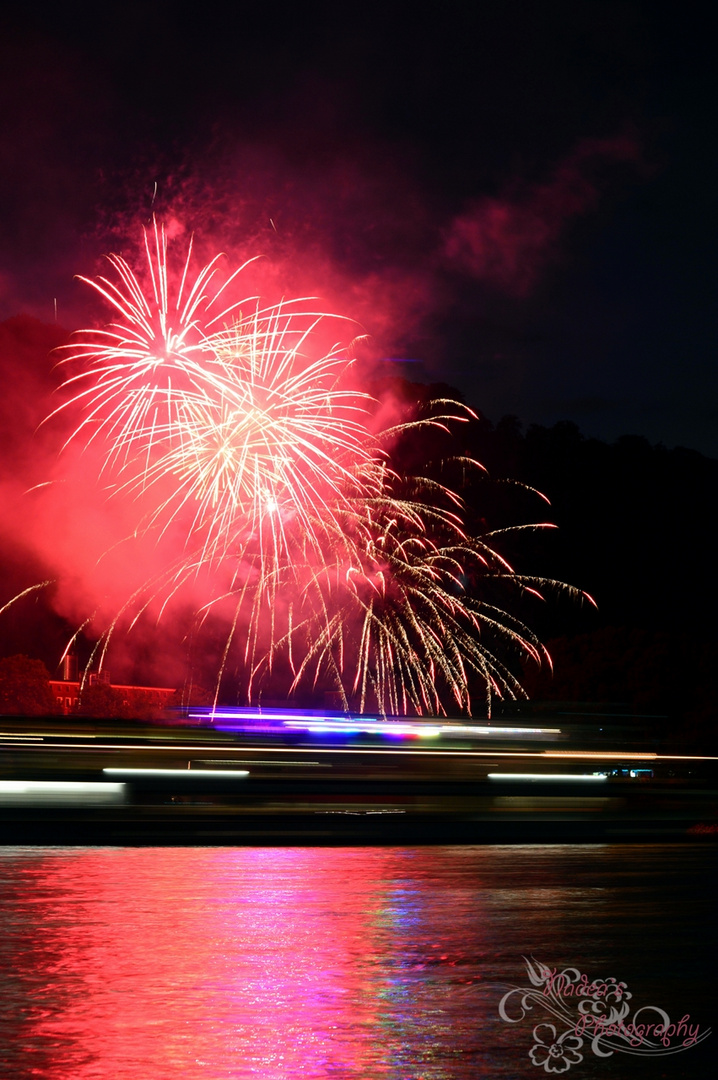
516, 197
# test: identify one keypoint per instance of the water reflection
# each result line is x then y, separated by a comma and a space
219, 963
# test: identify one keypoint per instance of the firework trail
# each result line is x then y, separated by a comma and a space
252, 447
397, 620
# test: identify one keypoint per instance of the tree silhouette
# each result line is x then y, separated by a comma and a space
25, 687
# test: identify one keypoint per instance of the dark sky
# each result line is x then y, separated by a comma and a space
517, 196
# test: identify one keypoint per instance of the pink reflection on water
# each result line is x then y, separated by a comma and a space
223, 963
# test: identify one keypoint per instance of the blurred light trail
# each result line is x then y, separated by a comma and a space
211, 713
321, 722
641, 754
357, 726
189, 774
56, 792
63, 743
460, 729
283, 764
545, 776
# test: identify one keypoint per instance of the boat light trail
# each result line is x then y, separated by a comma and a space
191, 774
546, 776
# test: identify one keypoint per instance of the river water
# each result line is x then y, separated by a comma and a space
334, 963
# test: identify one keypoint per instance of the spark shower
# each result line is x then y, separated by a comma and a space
241, 440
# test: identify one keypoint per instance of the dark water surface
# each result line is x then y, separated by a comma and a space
223, 963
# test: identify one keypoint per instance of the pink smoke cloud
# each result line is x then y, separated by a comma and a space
362, 244
508, 242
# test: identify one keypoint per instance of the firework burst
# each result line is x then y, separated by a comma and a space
255, 451
138, 374
395, 618
279, 439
